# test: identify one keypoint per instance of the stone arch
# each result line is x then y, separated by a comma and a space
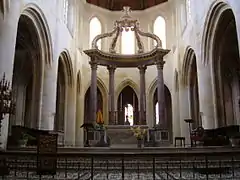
152, 99
104, 98
190, 80
186, 67
33, 51
152, 88
38, 18
214, 14
222, 54
104, 92
64, 95
68, 68
123, 84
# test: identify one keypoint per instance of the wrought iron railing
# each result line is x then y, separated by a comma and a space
184, 165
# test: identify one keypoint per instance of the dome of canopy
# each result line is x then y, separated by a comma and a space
126, 23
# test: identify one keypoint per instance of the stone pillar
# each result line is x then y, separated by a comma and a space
176, 114
142, 114
206, 96
184, 109
236, 99
160, 94
70, 121
93, 91
49, 97
79, 138
111, 97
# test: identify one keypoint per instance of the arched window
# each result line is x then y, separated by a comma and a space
159, 28
95, 29
128, 42
65, 11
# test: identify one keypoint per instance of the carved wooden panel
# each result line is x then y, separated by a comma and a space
47, 153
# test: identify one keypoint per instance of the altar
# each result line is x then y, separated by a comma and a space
122, 136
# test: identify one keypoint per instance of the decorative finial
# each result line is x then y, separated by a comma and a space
126, 10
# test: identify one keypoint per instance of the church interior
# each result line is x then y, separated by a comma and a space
120, 89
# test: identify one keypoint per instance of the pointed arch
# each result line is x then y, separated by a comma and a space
220, 50
210, 26
104, 96
188, 59
152, 101
152, 88
68, 67
102, 87
33, 12
127, 82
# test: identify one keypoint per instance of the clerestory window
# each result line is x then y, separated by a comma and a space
159, 28
95, 29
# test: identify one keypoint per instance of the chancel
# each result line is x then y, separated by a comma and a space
119, 89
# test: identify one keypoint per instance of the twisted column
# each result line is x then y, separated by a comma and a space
160, 94
111, 70
93, 91
142, 114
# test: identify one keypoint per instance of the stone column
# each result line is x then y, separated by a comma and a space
49, 97
70, 122
184, 110
93, 91
206, 96
111, 70
142, 114
160, 94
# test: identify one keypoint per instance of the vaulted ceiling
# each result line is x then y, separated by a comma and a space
117, 5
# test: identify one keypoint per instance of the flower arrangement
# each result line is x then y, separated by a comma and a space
99, 119
138, 132
98, 126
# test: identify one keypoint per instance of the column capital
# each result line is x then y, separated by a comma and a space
142, 69
93, 65
160, 64
111, 68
